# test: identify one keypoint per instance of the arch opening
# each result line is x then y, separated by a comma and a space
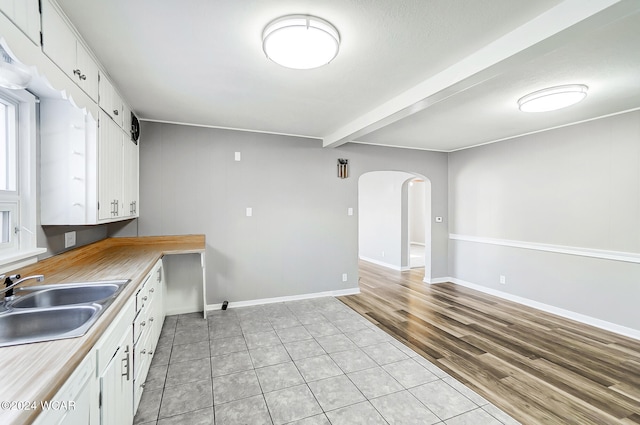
394, 225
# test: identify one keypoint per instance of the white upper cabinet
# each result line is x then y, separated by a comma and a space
110, 101
25, 14
89, 171
118, 167
131, 178
60, 44
111, 170
126, 119
68, 165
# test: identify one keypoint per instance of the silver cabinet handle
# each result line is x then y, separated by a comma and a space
152, 289
143, 323
83, 77
144, 351
116, 112
77, 72
151, 319
151, 352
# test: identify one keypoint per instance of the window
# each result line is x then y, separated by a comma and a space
17, 178
9, 196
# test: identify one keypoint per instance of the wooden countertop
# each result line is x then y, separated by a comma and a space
35, 372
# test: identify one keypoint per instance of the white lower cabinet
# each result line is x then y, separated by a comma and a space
114, 369
107, 386
147, 327
76, 402
116, 385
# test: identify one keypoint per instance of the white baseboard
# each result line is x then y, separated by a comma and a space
183, 310
582, 318
235, 304
383, 264
435, 280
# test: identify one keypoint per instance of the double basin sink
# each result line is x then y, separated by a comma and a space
50, 312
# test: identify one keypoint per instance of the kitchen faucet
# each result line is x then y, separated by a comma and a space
10, 284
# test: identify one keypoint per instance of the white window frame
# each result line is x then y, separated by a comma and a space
9, 247
23, 249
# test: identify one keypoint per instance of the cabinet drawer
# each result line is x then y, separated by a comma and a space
143, 353
141, 324
142, 296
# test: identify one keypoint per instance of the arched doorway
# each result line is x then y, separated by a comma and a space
389, 209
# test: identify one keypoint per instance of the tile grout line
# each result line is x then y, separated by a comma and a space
271, 317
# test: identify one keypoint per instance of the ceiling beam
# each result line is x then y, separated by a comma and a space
521, 44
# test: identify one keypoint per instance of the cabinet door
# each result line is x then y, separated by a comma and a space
82, 409
59, 42
25, 15
126, 120
110, 170
109, 100
88, 78
159, 300
131, 177
116, 385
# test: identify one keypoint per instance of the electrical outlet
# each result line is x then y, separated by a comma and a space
344, 277
237, 156
69, 239
382, 254
249, 212
349, 211
503, 280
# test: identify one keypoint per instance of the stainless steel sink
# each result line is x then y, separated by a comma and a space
67, 294
46, 324
51, 312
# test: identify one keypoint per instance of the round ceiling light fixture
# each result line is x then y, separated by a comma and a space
300, 41
553, 98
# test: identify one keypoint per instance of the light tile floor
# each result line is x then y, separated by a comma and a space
307, 362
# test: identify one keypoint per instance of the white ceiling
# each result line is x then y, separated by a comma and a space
426, 74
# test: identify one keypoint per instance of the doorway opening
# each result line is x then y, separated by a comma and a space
416, 218
394, 226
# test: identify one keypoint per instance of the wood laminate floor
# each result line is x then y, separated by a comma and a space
538, 367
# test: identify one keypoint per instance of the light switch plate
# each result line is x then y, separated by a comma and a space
350, 211
237, 156
249, 212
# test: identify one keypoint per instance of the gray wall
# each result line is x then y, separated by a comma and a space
380, 216
576, 187
300, 239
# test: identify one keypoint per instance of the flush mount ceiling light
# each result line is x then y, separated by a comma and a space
553, 98
13, 74
300, 41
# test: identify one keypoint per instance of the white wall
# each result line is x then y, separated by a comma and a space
380, 209
300, 239
417, 212
515, 204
